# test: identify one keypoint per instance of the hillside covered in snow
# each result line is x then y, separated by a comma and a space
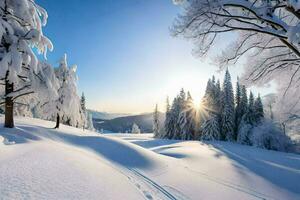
38, 162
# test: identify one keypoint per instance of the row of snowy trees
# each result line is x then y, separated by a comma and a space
227, 116
180, 118
223, 115
46, 92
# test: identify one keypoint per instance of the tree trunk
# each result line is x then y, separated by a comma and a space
57, 121
9, 106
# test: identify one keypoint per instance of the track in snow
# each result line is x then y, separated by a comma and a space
154, 185
150, 189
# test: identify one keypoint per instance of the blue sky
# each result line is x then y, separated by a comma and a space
127, 60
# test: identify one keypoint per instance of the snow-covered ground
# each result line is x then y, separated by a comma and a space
37, 162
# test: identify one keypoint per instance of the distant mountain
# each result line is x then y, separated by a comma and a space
105, 115
124, 124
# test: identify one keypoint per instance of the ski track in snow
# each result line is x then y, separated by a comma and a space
152, 186
148, 187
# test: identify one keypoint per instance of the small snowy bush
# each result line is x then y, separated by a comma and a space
268, 136
135, 129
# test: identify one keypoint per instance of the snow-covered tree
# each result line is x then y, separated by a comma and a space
247, 123
82, 103
68, 105
250, 115
251, 119
156, 122
21, 23
173, 119
135, 129
211, 129
211, 110
89, 121
238, 104
66, 108
244, 131
187, 119
227, 123
244, 101
177, 108
167, 124
258, 109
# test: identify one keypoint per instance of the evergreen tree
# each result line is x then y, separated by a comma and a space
244, 101
187, 119
212, 106
167, 124
238, 103
90, 125
179, 107
82, 103
227, 128
218, 96
67, 105
247, 123
211, 129
250, 115
173, 119
258, 110
156, 122
208, 93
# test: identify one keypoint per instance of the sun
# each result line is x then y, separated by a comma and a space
197, 105
197, 102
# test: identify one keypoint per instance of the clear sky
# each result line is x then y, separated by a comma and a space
127, 60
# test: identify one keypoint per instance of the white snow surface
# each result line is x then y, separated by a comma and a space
69, 163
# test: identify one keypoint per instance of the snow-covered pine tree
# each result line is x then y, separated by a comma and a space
167, 124
250, 115
247, 123
244, 100
258, 110
156, 122
227, 116
21, 23
86, 118
68, 107
135, 129
89, 121
208, 93
173, 118
238, 105
187, 119
218, 97
179, 107
212, 104
82, 103
211, 129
